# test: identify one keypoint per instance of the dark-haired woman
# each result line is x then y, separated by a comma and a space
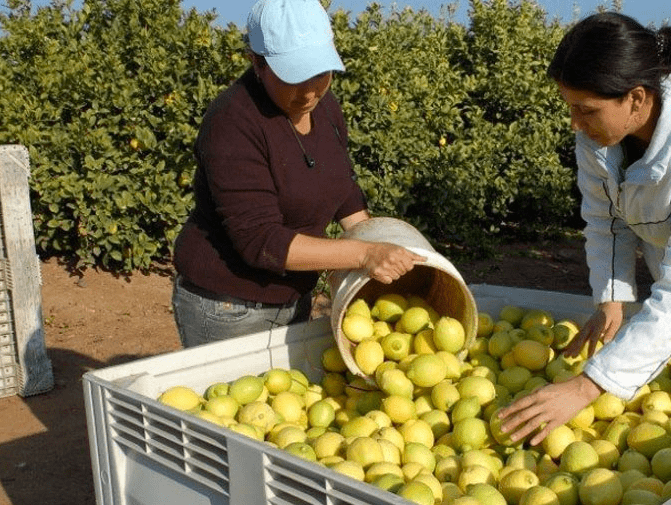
273, 172
614, 75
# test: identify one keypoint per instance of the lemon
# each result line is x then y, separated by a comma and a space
302, 450
556, 366
209, 416
247, 430
357, 327
376, 470
578, 458
468, 406
536, 316
417, 492
222, 406
359, 306
479, 346
365, 451
350, 469
361, 426
369, 400
390, 453
539, 495
331, 361
628, 477
564, 331
330, 443
442, 450
299, 381
444, 395
502, 325
600, 486
656, 417
607, 451
584, 418
389, 482
647, 438
632, 459
417, 430
416, 452
321, 414
512, 313
433, 483
531, 354
661, 464
288, 435
479, 387
469, 433
398, 408
514, 378
381, 419
216, 389
392, 435
381, 329
652, 484
565, 486
288, 405
453, 364
515, 482
313, 394
540, 333
617, 432
258, 414
486, 494
656, 401
498, 435
523, 459
640, 497
448, 469
396, 345
499, 343
333, 384
607, 406
426, 370
422, 342
449, 334
181, 398
474, 474
395, 382
558, 440
485, 324
481, 457
415, 319
368, 355
438, 420
464, 500
389, 307
666, 492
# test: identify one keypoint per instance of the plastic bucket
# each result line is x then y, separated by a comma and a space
437, 281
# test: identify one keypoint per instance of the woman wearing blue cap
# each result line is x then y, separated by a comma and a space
273, 171
614, 75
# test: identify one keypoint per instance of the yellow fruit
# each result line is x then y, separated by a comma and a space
377, 470
396, 346
359, 306
222, 406
631, 459
357, 327
416, 430
486, 494
578, 458
512, 314
350, 468
531, 354
417, 492
365, 451
479, 387
330, 443
661, 464
415, 319
448, 469
415, 452
334, 384
514, 378
247, 430
368, 355
390, 453
438, 420
502, 325
656, 401
288, 435
444, 395
277, 380
398, 408
389, 307
181, 398
422, 343
485, 324
299, 381
600, 486
499, 344
607, 451
361, 426
465, 407
536, 316
332, 361
541, 333
302, 450
449, 334
426, 370
652, 484
381, 419
607, 406
558, 440
321, 413
392, 435
564, 331
495, 429
433, 483
209, 416
514, 483
539, 495
452, 362
381, 329
288, 405
565, 485
640, 497
216, 389
395, 382
583, 419
523, 459
475, 474
389, 482
469, 433
648, 438
628, 477
258, 414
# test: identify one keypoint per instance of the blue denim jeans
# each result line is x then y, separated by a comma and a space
202, 319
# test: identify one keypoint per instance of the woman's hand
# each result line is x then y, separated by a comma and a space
386, 262
603, 325
549, 407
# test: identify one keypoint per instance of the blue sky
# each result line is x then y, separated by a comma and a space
645, 11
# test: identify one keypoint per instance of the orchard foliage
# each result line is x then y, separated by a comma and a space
454, 128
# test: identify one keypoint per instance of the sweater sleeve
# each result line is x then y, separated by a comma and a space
610, 245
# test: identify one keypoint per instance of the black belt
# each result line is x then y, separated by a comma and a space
197, 290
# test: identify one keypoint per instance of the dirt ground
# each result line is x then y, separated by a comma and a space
98, 320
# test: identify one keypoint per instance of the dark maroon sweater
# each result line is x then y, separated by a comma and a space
254, 192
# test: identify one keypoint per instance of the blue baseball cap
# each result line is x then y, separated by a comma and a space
295, 38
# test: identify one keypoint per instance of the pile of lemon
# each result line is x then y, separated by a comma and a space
426, 428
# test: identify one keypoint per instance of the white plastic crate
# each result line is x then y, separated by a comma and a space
25, 368
146, 453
